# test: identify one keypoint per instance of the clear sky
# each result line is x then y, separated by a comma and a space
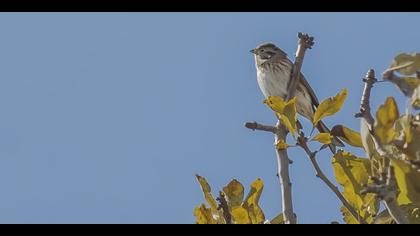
106, 117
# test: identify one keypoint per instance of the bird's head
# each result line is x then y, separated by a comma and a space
267, 52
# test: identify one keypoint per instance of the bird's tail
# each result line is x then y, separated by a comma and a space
322, 128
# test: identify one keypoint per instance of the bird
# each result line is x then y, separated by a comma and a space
274, 71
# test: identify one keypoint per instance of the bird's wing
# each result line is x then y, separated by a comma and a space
315, 100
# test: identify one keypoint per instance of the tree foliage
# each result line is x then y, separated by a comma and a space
391, 144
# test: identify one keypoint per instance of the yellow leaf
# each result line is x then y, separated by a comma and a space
278, 220
276, 103
204, 215
234, 193
405, 128
282, 145
384, 218
285, 111
289, 116
205, 187
348, 217
240, 216
330, 106
412, 212
406, 64
406, 85
367, 140
349, 136
408, 183
251, 203
324, 138
415, 99
386, 117
353, 173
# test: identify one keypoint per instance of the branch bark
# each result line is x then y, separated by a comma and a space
225, 207
283, 174
256, 126
280, 132
303, 142
305, 42
386, 189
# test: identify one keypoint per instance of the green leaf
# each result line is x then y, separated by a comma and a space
386, 117
349, 136
406, 64
234, 192
330, 106
353, 173
251, 203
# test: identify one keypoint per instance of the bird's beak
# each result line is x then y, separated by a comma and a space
254, 51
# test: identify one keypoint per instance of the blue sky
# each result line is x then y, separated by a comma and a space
106, 117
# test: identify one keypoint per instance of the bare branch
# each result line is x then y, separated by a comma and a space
225, 207
280, 132
365, 110
283, 174
256, 126
386, 187
305, 42
303, 142
387, 190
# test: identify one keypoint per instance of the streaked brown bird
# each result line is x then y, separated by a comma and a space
273, 75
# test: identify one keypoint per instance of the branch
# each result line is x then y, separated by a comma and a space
303, 142
225, 207
365, 110
256, 126
280, 132
283, 174
387, 190
305, 42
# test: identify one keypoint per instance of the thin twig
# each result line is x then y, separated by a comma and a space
303, 142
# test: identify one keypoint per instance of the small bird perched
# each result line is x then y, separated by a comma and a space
274, 71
